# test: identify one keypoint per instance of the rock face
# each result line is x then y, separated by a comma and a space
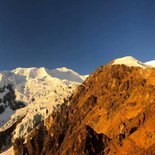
8, 99
112, 112
8, 106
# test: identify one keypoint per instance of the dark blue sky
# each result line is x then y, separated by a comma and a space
79, 34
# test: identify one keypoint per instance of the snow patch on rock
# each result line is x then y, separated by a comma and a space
150, 63
129, 61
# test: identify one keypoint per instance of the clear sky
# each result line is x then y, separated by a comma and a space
79, 34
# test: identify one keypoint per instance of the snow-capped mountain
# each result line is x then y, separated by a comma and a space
129, 61
40, 90
42, 85
112, 112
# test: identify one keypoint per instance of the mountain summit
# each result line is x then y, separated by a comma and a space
60, 73
151, 63
39, 84
129, 61
38, 90
112, 112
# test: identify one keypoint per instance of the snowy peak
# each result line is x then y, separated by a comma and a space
151, 63
42, 84
23, 71
38, 90
67, 74
129, 61
39, 73
32, 72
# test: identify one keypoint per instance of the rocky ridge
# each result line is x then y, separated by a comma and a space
112, 112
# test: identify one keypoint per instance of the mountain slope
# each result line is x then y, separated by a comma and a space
8, 107
8, 103
112, 112
41, 90
68, 74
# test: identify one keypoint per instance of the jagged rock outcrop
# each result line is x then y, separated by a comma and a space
8, 106
8, 98
112, 112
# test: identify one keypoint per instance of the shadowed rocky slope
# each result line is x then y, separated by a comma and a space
8, 106
112, 112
